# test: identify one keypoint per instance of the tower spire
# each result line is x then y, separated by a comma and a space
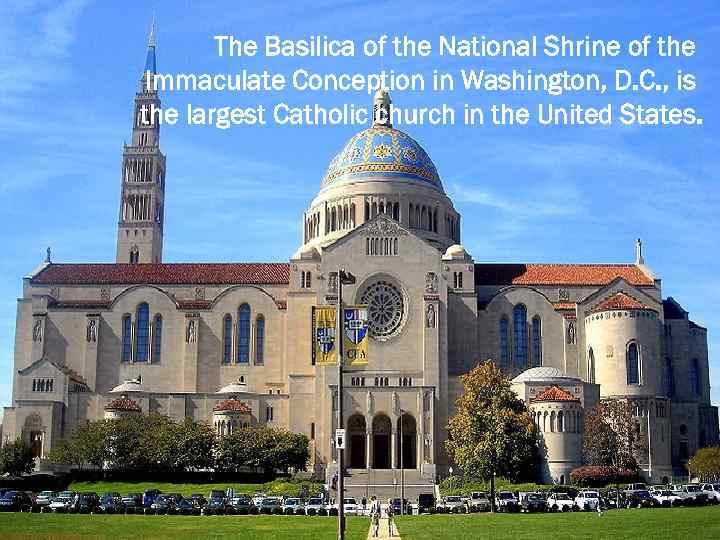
150, 61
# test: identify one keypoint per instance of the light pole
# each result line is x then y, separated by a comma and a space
402, 467
343, 278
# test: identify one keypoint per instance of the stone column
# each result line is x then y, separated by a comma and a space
368, 449
393, 457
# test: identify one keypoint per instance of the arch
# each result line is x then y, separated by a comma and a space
520, 336
591, 365
357, 432
243, 334
227, 339
259, 340
157, 338
406, 442
126, 355
560, 423
244, 286
142, 332
536, 341
381, 429
504, 343
552, 421
632, 359
545, 418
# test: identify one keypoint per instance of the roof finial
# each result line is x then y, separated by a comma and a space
47, 255
151, 38
381, 108
150, 62
638, 253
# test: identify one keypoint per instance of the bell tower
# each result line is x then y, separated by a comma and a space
142, 195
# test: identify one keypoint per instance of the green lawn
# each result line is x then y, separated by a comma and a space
277, 487
662, 523
53, 526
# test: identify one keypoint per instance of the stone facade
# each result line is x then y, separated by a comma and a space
197, 335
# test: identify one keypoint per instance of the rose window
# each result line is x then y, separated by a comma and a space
385, 309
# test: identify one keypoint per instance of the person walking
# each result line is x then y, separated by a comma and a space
374, 515
390, 513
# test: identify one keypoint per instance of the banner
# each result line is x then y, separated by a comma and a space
355, 340
325, 325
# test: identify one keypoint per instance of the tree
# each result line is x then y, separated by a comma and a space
88, 445
491, 432
16, 458
611, 436
264, 448
705, 464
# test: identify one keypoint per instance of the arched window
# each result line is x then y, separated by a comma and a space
126, 339
695, 376
504, 343
669, 378
157, 338
536, 342
142, 333
633, 364
227, 339
591, 366
521, 352
243, 334
259, 340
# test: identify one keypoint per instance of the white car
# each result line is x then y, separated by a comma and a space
454, 504
351, 507
712, 491
587, 500
560, 502
257, 499
507, 502
61, 505
666, 497
479, 501
314, 505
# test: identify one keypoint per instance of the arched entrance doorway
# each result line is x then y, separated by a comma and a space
35, 435
356, 438
406, 450
381, 428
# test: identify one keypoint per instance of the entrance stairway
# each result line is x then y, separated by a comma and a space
386, 483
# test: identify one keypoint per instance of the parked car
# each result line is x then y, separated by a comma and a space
479, 501
639, 498
62, 504
560, 502
636, 486
132, 502
185, 507
505, 501
109, 504
426, 503
695, 495
240, 506
44, 498
86, 503
149, 497
587, 500
257, 499
217, 494
314, 506
215, 506
292, 506
271, 505
532, 502
712, 491
454, 504
15, 501
198, 500
162, 505
667, 498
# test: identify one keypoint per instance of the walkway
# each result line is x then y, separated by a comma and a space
384, 532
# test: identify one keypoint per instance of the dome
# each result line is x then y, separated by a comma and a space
382, 151
128, 386
236, 387
543, 373
454, 252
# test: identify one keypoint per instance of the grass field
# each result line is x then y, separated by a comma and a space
14, 526
276, 487
665, 523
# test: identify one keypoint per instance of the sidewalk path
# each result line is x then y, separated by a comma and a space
384, 532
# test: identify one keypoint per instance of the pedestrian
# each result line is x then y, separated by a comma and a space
390, 513
599, 508
374, 515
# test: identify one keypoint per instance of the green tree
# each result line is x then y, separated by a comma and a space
491, 433
705, 464
16, 458
262, 447
88, 445
611, 435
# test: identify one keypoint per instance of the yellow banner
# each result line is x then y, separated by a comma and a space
355, 335
324, 329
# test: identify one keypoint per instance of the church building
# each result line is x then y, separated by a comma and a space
231, 344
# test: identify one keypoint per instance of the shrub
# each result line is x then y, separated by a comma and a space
601, 475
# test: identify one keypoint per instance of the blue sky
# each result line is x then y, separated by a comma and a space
68, 71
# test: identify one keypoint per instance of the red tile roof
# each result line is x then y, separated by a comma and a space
555, 393
558, 274
122, 404
233, 405
619, 300
165, 274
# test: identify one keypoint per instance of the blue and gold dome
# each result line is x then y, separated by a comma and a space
382, 151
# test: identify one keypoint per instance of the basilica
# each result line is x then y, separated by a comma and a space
232, 344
